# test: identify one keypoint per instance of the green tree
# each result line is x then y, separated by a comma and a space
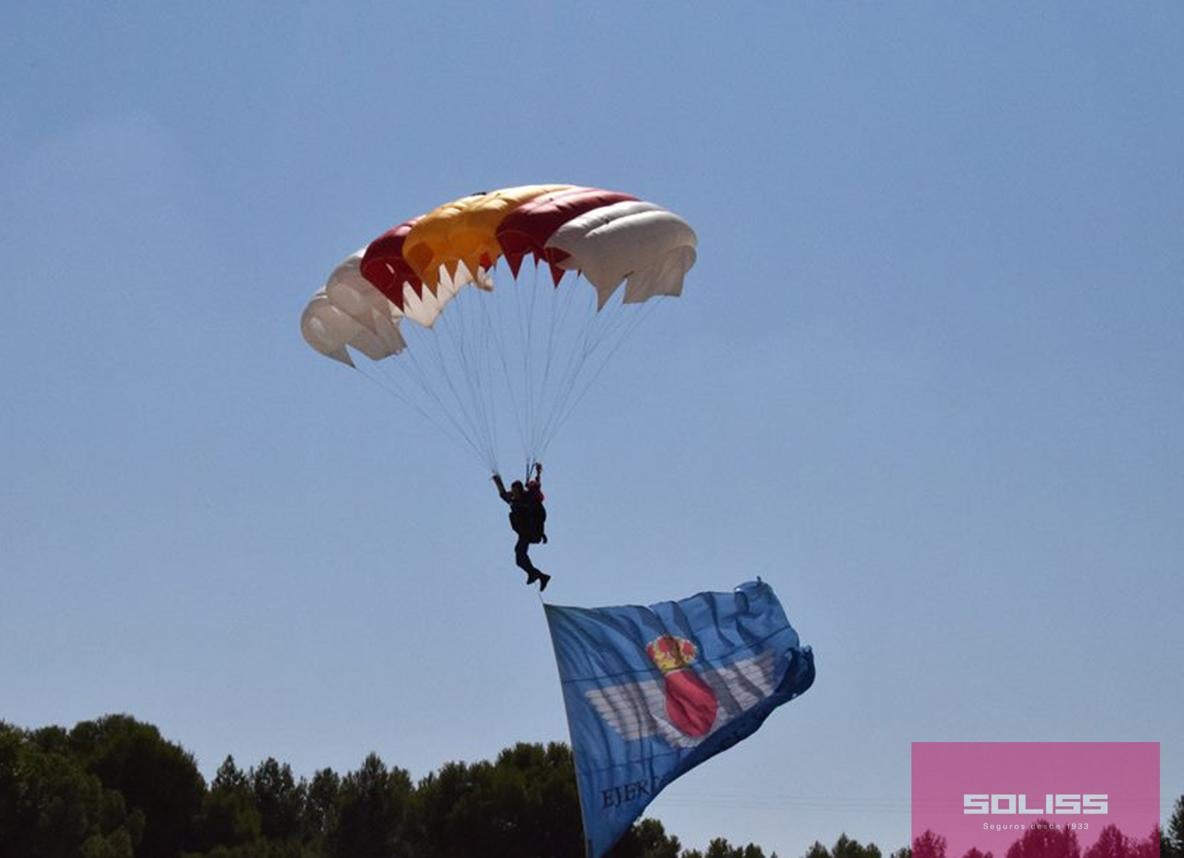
1148, 847
540, 805
156, 777
819, 851
524, 803
846, 847
279, 800
51, 806
930, 845
1044, 841
1111, 843
1175, 832
646, 839
372, 813
114, 788
320, 807
721, 848
228, 816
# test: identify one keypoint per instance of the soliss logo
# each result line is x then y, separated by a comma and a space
1020, 804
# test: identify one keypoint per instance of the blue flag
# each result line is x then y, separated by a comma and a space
652, 692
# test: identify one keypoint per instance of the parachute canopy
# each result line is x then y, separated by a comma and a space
421, 270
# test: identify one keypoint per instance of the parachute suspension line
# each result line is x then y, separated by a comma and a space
622, 332
569, 373
414, 370
437, 335
536, 388
552, 301
494, 329
470, 368
582, 383
527, 308
560, 305
457, 375
439, 331
477, 357
523, 345
488, 364
528, 355
402, 373
397, 394
433, 336
593, 331
453, 346
457, 351
536, 391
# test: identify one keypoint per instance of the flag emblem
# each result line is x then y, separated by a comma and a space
685, 706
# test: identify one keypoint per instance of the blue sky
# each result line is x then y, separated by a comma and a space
925, 378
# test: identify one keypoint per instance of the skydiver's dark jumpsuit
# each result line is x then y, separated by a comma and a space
528, 518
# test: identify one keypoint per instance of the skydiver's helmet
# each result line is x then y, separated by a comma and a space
516, 489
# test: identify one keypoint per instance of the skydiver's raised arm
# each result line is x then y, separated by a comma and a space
534, 487
501, 488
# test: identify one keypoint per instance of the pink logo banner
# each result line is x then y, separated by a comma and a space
1035, 799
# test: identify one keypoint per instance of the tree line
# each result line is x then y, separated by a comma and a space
114, 787
1041, 840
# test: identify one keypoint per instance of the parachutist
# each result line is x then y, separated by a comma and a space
528, 518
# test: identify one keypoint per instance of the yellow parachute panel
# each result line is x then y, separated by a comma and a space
465, 231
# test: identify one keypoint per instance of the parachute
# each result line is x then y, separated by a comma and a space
478, 359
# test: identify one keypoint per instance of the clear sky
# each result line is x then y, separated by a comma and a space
925, 378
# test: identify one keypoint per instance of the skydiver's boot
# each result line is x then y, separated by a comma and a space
532, 576
544, 580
